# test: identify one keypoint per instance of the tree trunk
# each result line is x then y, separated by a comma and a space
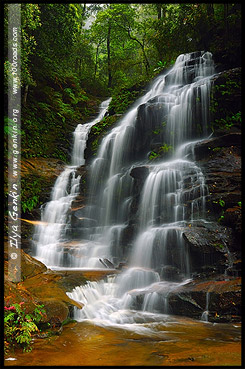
25, 94
96, 60
210, 9
146, 61
159, 11
226, 8
109, 55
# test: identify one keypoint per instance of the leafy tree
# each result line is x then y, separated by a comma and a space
56, 38
30, 21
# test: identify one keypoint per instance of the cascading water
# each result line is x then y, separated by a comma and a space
176, 107
146, 235
50, 233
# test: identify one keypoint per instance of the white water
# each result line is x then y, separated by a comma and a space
172, 197
81, 135
205, 314
51, 232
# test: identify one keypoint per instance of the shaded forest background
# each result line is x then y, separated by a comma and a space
73, 56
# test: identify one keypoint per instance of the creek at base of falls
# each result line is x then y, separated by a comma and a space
176, 341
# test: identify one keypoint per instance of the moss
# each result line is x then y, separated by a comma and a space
37, 179
99, 130
123, 98
51, 110
162, 150
225, 102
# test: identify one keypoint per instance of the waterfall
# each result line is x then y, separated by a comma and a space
176, 106
141, 229
204, 315
51, 232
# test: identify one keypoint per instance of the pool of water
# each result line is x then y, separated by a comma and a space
174, 341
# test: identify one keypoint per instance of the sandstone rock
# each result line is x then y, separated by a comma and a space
55, 310
224, 300
220, 299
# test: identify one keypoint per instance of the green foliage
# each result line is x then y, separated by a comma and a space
123, 98
52, 109
216, 149
226, 111
220, 202
99, 130
164, 149
30, 21
30, 204
31, 188
219, 246
19, 326
229, 121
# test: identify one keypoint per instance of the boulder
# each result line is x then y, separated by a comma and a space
220, 299
56, 311
140, 173
213, 300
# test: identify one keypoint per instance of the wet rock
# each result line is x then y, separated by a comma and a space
96, 134
170, 273
15, 293
30, 266
224, 300
47, 285
208, 246
220, 299
37, 179
233, 218
43, 170
149, 119
140, 173
56, 311
226, 101
80, 222
107, 263
208, 147
220, 160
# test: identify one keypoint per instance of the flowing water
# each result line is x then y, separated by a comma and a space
174, 342
51, 232
173, 194
175, 114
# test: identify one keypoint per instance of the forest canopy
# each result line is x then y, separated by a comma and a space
109, 45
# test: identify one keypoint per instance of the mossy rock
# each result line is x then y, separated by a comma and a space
225, 104
56, 310
97, 132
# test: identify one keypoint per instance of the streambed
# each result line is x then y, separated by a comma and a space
175, 341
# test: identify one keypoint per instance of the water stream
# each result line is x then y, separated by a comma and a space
176, 106
51, 231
